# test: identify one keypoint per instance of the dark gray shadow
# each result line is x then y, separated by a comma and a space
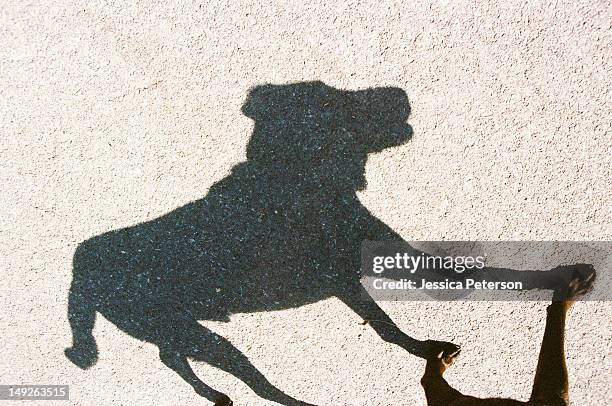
284, 229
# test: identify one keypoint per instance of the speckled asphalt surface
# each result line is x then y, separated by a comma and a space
112, 115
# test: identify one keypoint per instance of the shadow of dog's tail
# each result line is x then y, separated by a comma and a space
81, 313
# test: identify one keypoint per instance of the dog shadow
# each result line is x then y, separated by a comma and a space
284, 229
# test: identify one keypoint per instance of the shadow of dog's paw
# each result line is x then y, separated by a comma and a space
82, 356
223, 401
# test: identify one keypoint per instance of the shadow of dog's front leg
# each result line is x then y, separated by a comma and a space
371, 313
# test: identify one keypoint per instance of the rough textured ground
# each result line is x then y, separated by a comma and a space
112, 114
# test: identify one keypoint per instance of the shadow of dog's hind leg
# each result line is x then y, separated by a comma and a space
179, 364
198, 343
82, 316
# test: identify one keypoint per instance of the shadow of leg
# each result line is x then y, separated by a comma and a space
201, 344
362, 304
179, 364
81, 316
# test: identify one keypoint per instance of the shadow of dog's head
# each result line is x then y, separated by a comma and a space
310, 126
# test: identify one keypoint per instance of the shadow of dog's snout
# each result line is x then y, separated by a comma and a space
394, 135
381, 117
